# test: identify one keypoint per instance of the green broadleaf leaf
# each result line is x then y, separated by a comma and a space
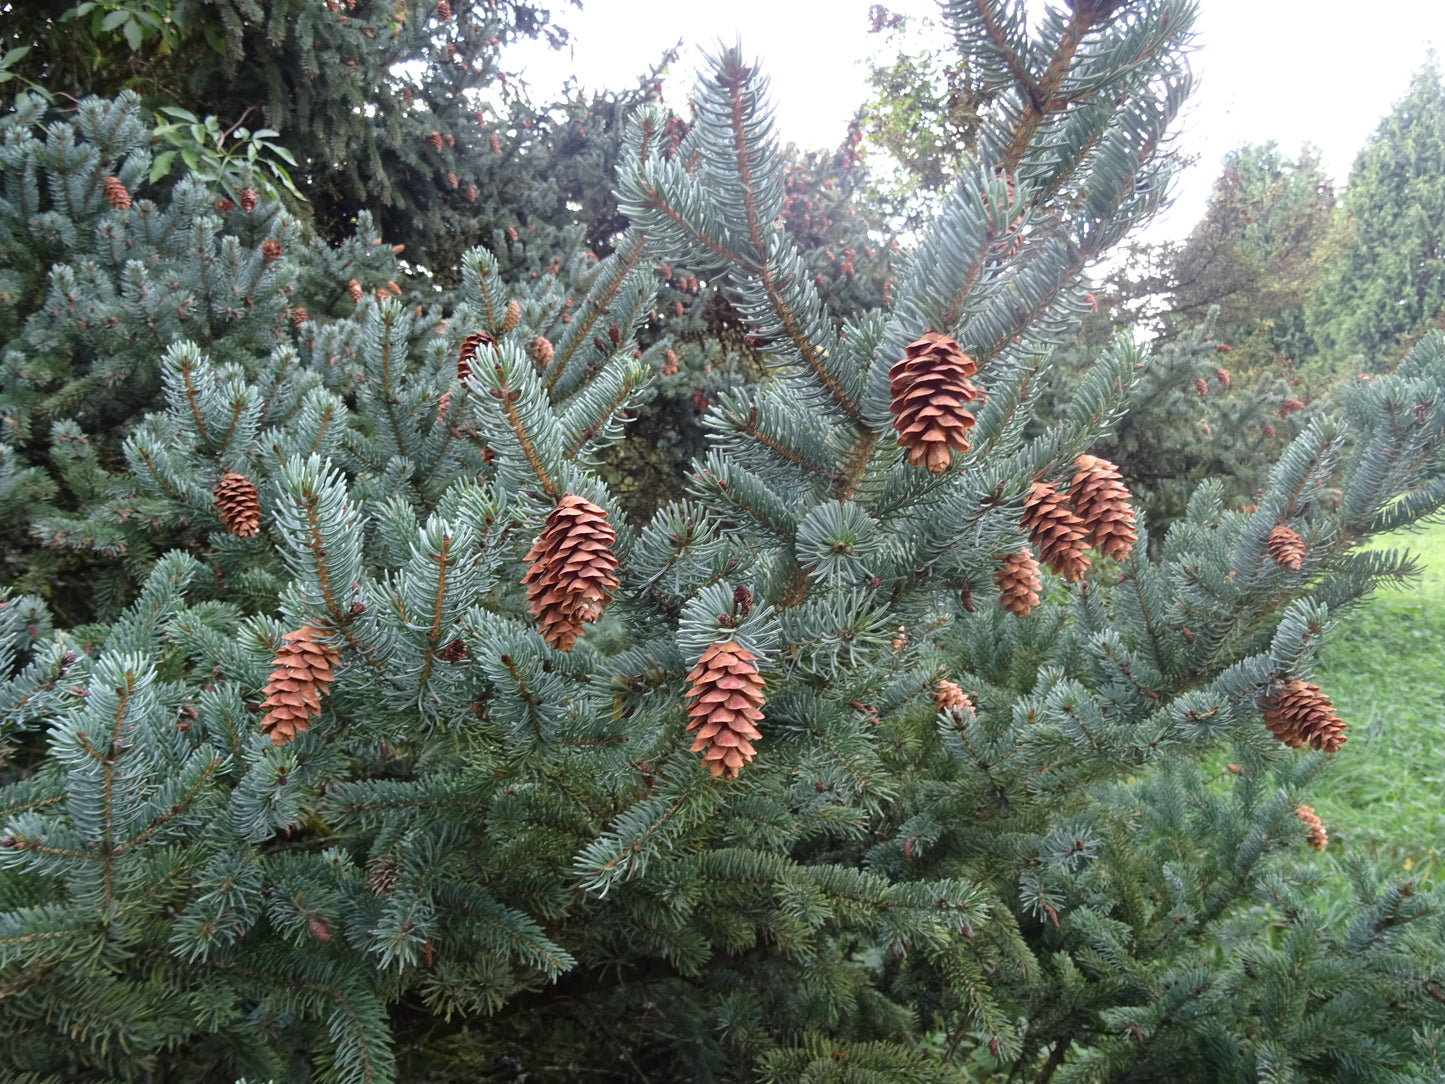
114, 19
162, 165
133, 34
13, 55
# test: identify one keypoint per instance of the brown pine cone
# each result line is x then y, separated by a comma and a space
512, 317
1056, 530
298, 317
444, 11
303, 670
929, 387
248, 199
493, 142
1018, 583
1286, 547
1315, 834
570, 576
949, 697
435, 139
471, 194
452, 180
1222, 375
238, 504
271, 249
1299, 715
383, 874
1200, 386
1097, 493
354, 289
541, 352
468, 354
225, 206
726, 700
115, 193
512, 234
1289, 406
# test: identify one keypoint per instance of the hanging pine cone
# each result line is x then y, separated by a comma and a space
512, 317
1299, 715
298, 317
302, 670
354, 289
248, 199
512, 235
383, 874
947, 696
1018, 583
1315, 834
669, 364
493, 142
1057, 531
1097, 493
238, 504
1286, 547
541, 352
570, 576
1222, 375
1289, 406
929, 387
452, 180
115, 193
726, 700
435, 139
468, 354
444, 11
471, 194
1200, 386
271, 249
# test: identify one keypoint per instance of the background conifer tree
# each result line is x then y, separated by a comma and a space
411, 781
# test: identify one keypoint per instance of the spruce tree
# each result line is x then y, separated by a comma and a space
415, 758
1387, 288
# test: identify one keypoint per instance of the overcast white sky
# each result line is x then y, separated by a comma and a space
1294, 71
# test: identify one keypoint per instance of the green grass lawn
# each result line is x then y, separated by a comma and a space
1383, 792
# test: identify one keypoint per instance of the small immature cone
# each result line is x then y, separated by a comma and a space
468, 353
669, 364
1286, 547
1301, 716
512, 317
238, 504
726, 699
541, 352
1018, 583
929, 387
303, 669
570, 577
248, 199
947, 696
115, 193
1315, 834
1057, 530
1101, 500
